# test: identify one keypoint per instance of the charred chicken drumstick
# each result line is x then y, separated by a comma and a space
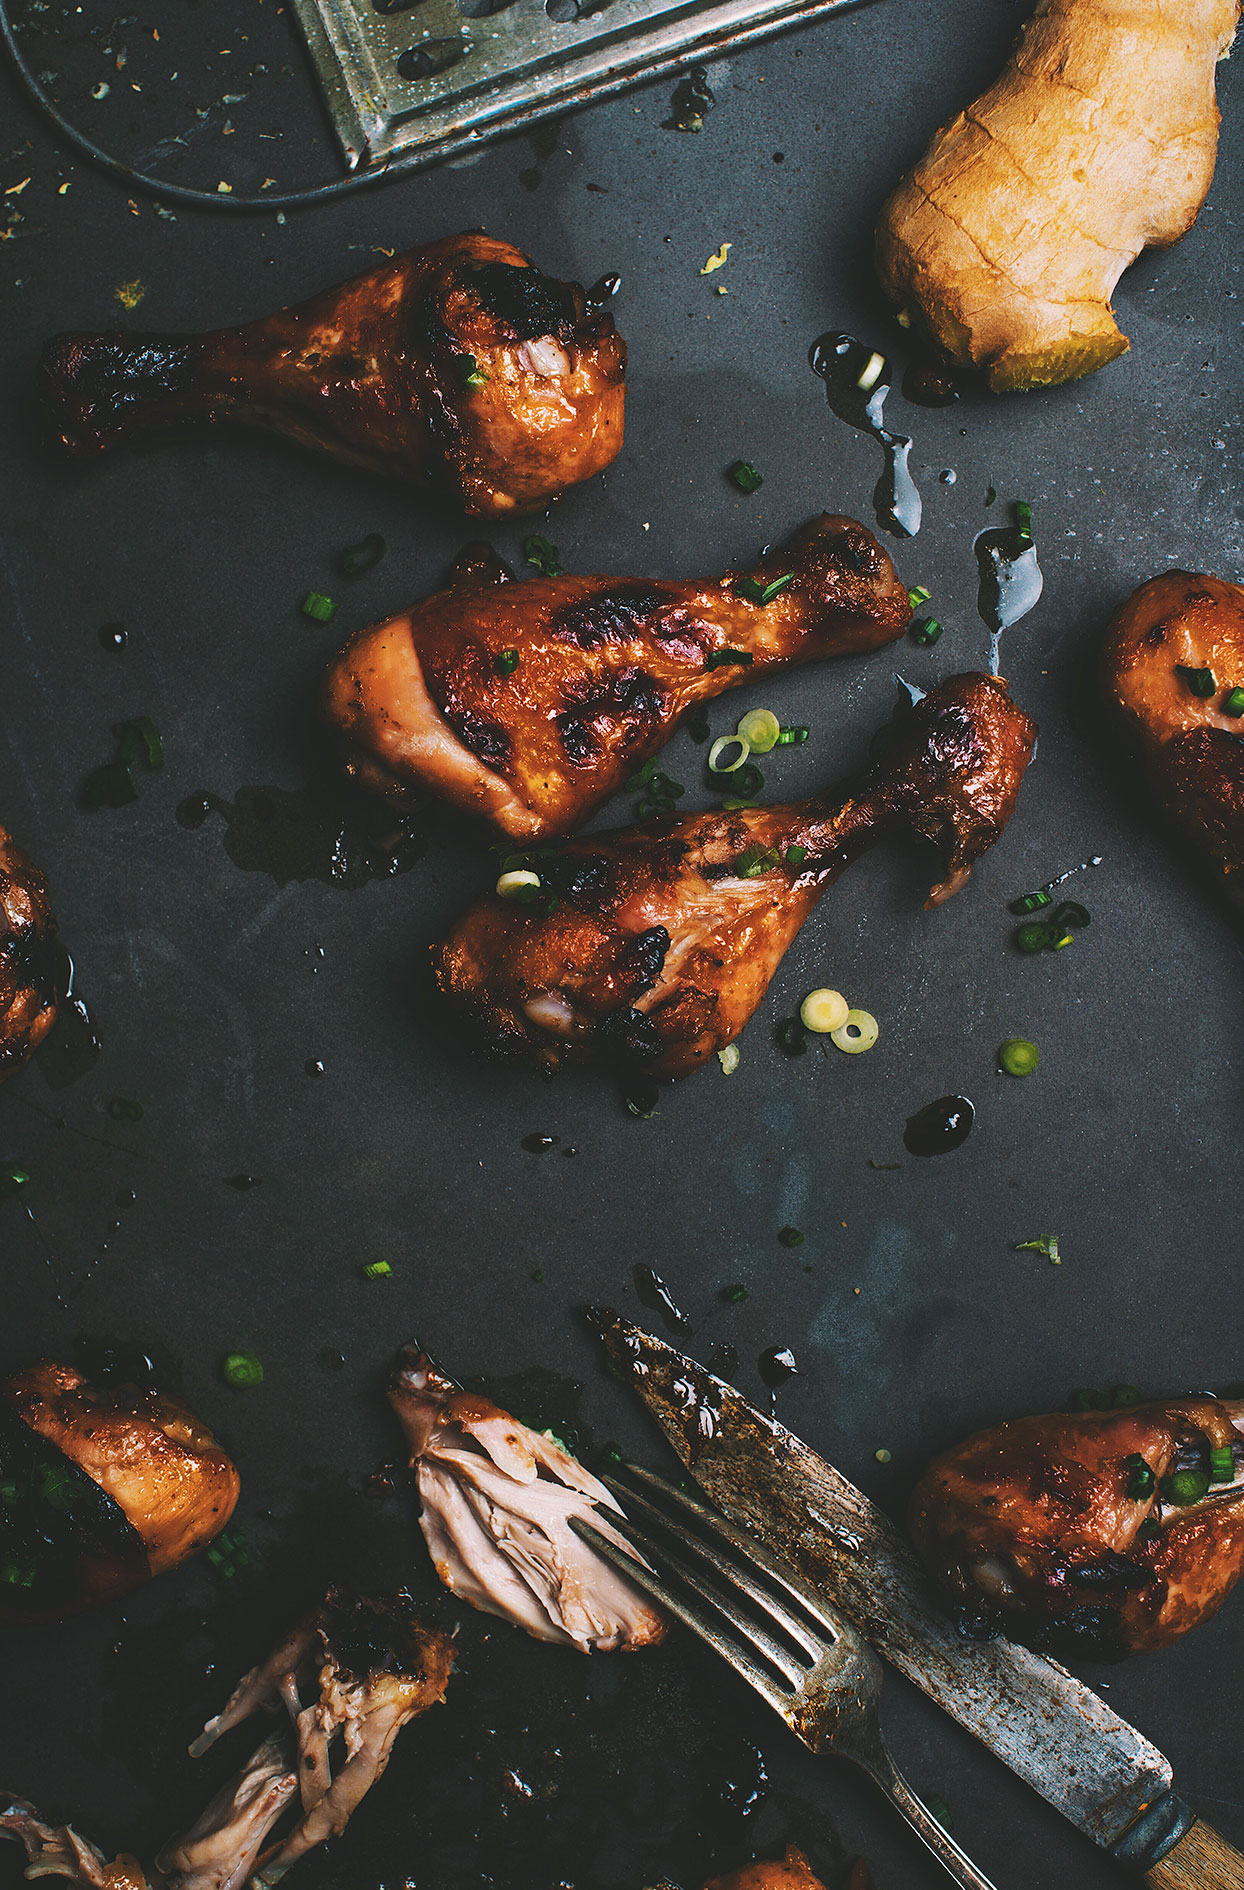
458, 366
1097, 1533
653, 946
530, 703
1173, 667
27, 989
368, 1668
104, 1486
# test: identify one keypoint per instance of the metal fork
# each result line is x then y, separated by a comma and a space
801, 1656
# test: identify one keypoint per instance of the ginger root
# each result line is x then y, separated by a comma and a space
1099, 140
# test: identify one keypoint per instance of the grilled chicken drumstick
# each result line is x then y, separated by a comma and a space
1174, 656
531, 702
27, 988
653, 946
457, 365
1095, 1533
368, 1667
107, 1485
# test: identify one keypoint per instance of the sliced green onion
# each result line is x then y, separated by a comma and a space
871, 372
515, 884
789, 737
697, 723
472, 374
505, 662
770, 591
241, 1369
1222, 1464
1060, 938
1018, 1057
729, 1059
537, 1275
718, 659
1200, 681
376, 1270
790, 1236
757, 593
745, 476
543, 554
110, 786
121, 1109
789, 1036
365, 556
1069, 913
1031, 902
721, 748
749, 782
139, 740
316, 605
1233, 702
795, 855
734, 1295
1048, 1245
858, 1032
1185, 1487
824, 1011
1141, 1481
12, 1180
1124, 1395
926, 632
918, 596
1023, 521
760, 731
1033, 937
755, 860
882, 1455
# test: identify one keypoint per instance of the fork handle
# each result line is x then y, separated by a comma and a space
957, 1864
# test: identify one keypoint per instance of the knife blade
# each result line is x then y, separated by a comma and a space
1052, 1730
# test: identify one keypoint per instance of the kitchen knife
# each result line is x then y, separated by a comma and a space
1059, 1737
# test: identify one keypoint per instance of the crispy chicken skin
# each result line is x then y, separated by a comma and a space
498, 1500
607, 668
27, 927
1030, 1527
792, 1873
366, 1668
375, 372
658, 948
1192, 752
110, 1487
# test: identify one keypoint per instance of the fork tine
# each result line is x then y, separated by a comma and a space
750, 1548
734, 1573
701, 1620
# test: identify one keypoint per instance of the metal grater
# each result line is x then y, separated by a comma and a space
406, 83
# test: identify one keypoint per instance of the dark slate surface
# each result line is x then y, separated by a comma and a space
912, 1319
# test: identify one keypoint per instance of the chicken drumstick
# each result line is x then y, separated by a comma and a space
27, 983
531, 703
653, 946
1097, 1533
457, 365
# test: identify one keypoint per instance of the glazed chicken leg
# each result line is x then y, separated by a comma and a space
368, 1667
27, 982
1100, 1533
531, 703
653, 946
458, 366
1174, 653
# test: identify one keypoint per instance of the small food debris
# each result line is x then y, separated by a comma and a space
882, 1456
130, 294
1047, 1244
224, 190
61, 189
717, 260
692, 102
15, 190
729, 1059
100, 89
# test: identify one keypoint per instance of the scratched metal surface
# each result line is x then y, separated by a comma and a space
911, 1318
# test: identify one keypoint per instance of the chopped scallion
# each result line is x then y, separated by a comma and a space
365, 556
316, 605
745, 476
755, 860
1222, 1464
926, 632
824, 1011
110, 786
242, 1370
1033, 937
121, 1109
1031, 902
795, 855
1070, 913
543, 554
1048, 1245
748, 782
1141, 1480
718, 659
472, 374
1200, 681
505, 662
1185, 1487
516, 883
12, 1180
759, 731
697, 723
857, 1032
791, 737
377, 1270
918, 596
790, 1236
139, 740
734, 1295
1233, 702
789, 1036
729, 1059
1023, 522
721, 756
1018, 1057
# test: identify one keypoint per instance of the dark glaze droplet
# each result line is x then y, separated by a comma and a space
72, 1047
723, 1362
113, 636
537, 1144
929, 383
940, 1126
642, 1099
313, 1067
839, 360
776, 1364
116, 1362
327, 830
656, 1294
570, 1150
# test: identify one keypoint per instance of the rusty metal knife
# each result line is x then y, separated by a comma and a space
1059, 1737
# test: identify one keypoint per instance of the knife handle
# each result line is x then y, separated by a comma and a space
1201, 1860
